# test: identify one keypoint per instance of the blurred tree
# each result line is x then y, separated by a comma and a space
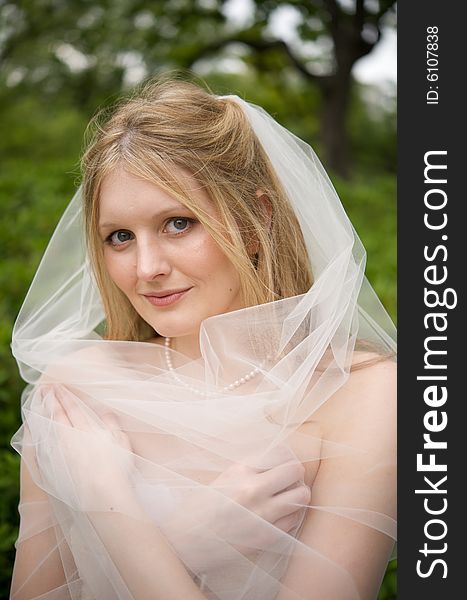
344, 30
90, 49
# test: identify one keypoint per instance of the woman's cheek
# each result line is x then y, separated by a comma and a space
120, 270
207, 254
203, 253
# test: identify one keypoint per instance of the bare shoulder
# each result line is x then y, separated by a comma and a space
372, 377
373, 381
69, 362
364, 408
373, 363
100, 360
353, 504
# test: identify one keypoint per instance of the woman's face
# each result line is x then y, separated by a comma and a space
154, 246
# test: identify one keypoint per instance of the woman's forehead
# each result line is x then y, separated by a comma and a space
124, 191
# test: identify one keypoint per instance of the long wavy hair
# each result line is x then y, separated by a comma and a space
171, 125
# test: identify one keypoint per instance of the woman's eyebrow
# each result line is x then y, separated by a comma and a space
170, 210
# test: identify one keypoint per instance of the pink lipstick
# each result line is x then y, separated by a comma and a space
166, 300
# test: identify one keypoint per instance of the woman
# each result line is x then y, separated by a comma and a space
211, 402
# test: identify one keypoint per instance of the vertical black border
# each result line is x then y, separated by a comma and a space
422, 128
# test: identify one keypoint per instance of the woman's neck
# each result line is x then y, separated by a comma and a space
187, 345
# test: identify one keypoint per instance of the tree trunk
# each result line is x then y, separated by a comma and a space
336, 96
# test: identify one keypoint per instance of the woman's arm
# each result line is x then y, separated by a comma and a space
353, 556
38, 562
144, 558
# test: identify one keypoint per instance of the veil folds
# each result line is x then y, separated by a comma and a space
305, 405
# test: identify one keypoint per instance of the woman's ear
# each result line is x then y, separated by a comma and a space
267, 206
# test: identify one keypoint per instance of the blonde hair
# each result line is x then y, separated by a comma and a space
171, 125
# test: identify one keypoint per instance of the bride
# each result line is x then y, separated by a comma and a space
210, 408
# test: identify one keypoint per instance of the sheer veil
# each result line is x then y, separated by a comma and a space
185, 428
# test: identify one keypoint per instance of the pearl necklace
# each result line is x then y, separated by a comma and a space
227, 388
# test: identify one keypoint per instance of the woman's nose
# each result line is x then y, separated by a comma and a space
151, 261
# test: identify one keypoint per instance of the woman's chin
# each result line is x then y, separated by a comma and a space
177, 331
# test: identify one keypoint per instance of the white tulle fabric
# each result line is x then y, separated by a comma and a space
180, 441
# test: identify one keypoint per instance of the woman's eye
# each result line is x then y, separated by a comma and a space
119, 237
180, 224
174, 226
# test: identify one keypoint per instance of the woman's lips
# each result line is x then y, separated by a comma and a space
166, 300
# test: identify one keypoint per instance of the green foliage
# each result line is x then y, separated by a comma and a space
370, 202
372, 129
38, 152
388, 589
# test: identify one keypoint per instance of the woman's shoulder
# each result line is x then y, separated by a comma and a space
370, 370
364, 407
100, 357
78, 357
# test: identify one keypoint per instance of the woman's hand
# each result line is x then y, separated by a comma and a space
91, 457
271, 493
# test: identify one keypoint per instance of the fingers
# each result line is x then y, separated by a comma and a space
289, 522
71, 411
111, 421
76, 411
55, 407
289, 502
113, 424
278, 455
55, 400
281, 477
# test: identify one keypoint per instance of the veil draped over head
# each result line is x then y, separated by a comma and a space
303, 401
